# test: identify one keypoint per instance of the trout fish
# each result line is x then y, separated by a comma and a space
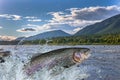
64, 57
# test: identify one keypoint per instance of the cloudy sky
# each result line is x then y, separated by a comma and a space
30, 17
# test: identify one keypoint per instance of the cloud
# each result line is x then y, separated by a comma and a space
32, 25
32, 19
81, 17
18, 17
1, 27
74, 19
47, 26
10, 17
88, 14
94, 13
77, 29
7, 38
26, 30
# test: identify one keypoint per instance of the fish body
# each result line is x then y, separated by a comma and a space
64, 57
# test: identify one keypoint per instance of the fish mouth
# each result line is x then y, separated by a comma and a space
79, 57
76, 57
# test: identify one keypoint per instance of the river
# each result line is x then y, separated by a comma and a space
103, 64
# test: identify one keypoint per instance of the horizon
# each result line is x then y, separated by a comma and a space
26, 18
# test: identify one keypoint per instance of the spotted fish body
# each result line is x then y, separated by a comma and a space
64, 57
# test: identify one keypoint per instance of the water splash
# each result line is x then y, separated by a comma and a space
91, 69
12, 69
72, 73
21, 41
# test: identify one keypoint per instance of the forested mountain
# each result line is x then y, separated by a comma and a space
105, 32
108, 26
49, 34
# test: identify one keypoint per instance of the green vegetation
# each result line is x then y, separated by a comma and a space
105, 32
81, 40
108, 26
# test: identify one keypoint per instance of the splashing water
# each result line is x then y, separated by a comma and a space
91, 69
72, 73
12, 69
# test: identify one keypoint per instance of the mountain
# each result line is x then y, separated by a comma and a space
20, 38
108, 26
49, 34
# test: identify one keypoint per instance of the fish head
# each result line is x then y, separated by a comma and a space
81, 54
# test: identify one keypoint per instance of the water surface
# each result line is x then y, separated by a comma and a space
104, 64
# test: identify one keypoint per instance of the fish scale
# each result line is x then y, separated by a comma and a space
61, 57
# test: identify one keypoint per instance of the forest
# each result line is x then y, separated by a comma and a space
107, 39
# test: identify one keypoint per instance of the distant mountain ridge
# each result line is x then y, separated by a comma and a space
108, 26
49, 34
20, 38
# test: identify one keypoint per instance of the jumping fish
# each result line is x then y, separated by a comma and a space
64, 57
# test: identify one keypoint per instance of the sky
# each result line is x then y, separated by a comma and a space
30, 17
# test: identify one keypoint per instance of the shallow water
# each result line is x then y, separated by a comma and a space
103, 64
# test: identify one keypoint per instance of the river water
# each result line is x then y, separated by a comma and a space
103, 64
